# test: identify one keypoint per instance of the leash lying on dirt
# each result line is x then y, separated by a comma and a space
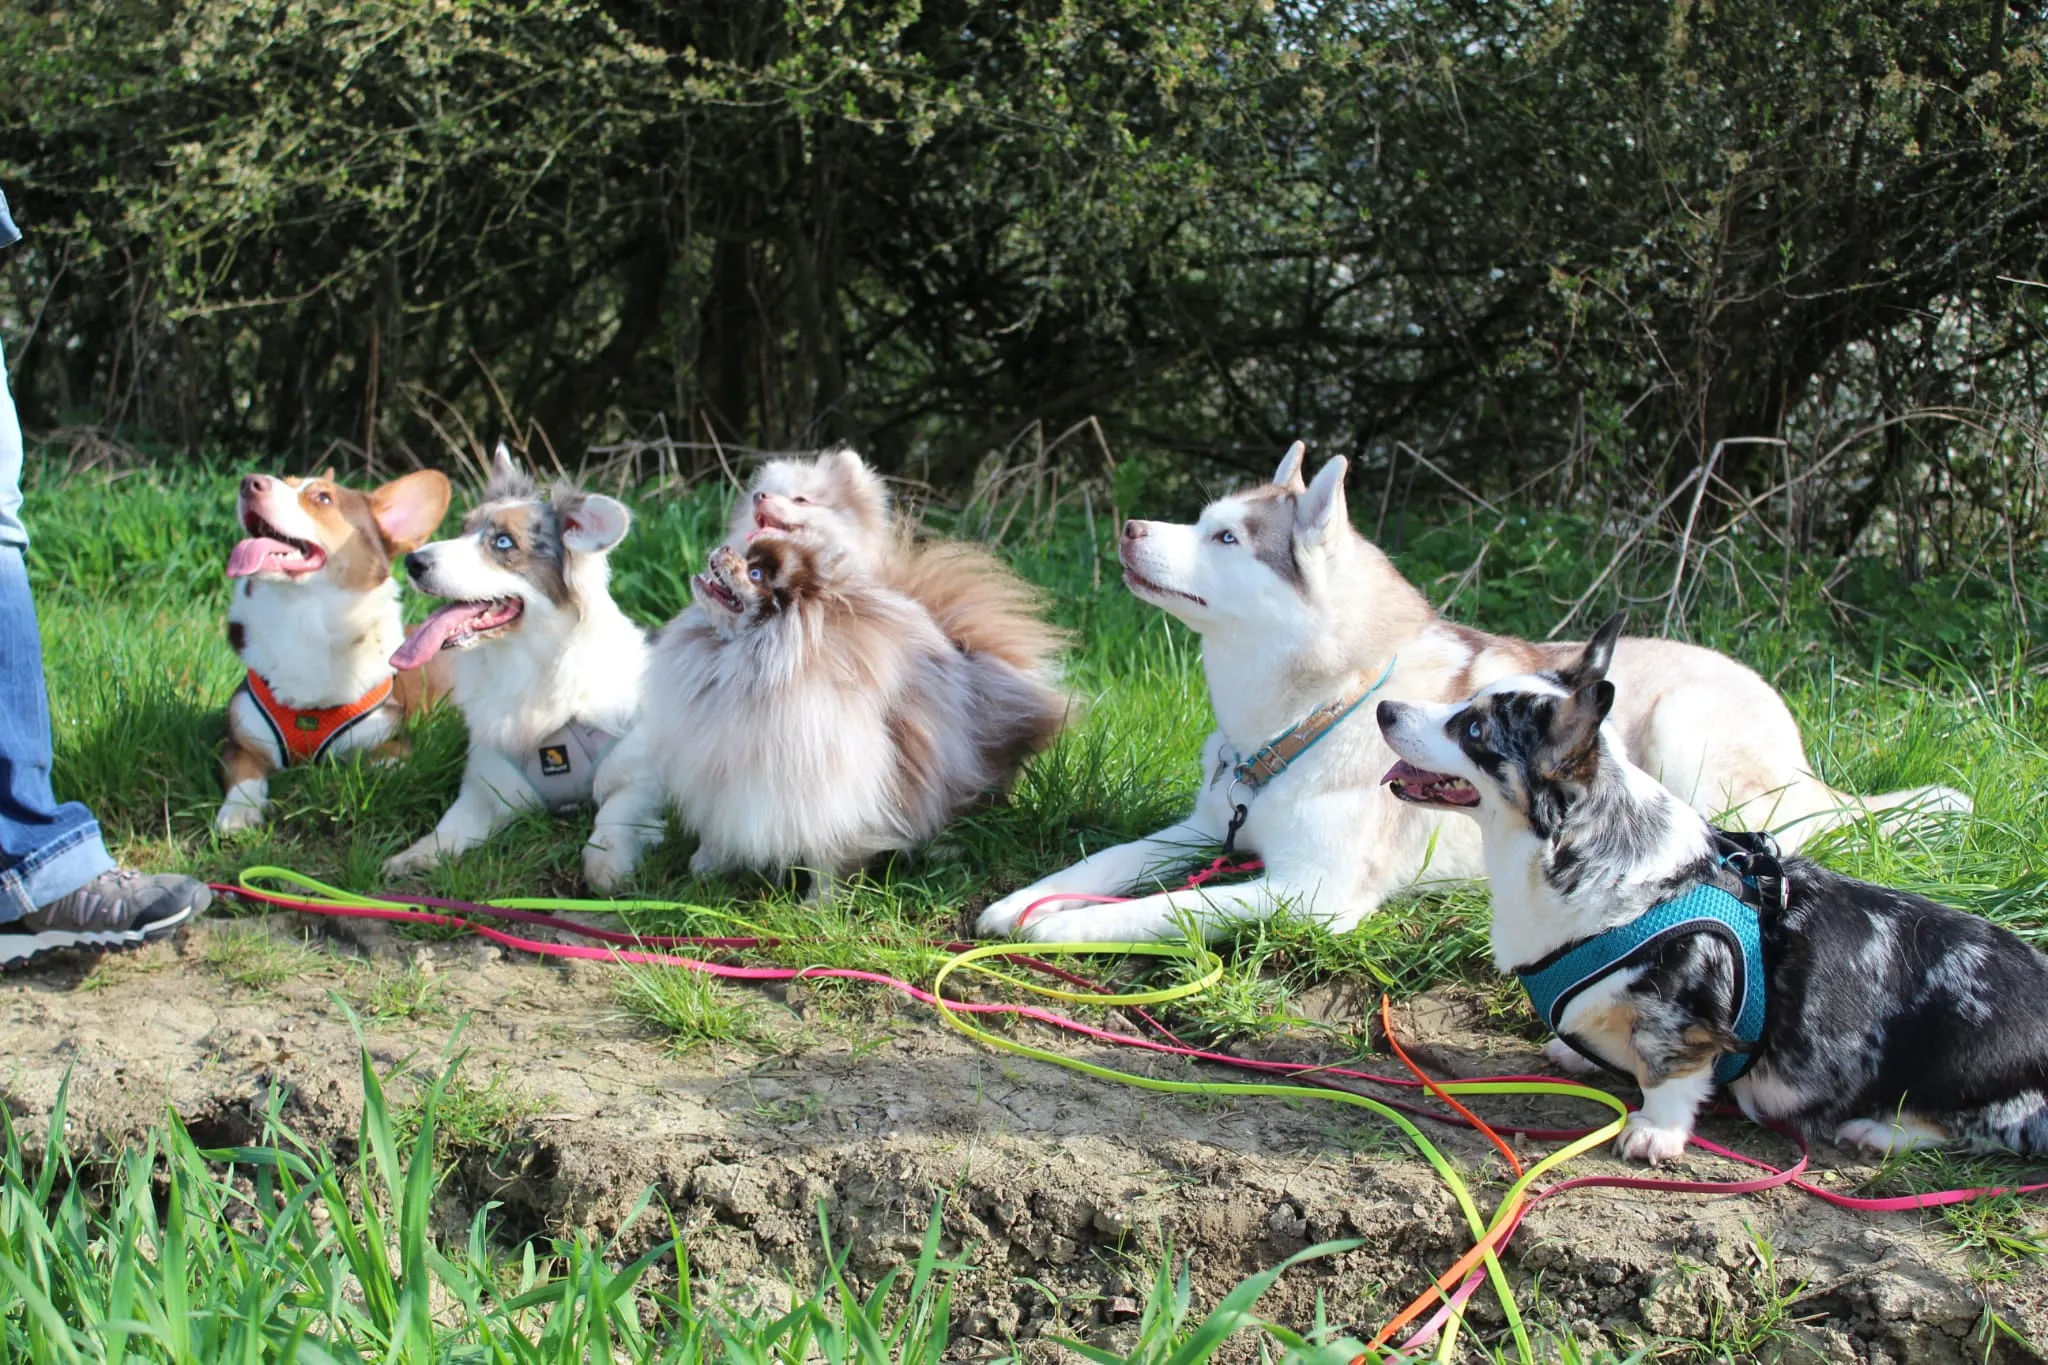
1480, 1264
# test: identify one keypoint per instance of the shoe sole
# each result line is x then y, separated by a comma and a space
19, 950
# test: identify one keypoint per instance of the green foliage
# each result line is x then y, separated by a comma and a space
1573, 247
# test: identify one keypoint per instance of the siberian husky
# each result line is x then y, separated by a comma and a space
1303, 620
314, 620
1658, 948
548, 673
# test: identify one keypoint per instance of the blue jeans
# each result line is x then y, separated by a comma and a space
47, 851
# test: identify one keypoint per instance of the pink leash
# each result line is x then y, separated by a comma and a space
452, 914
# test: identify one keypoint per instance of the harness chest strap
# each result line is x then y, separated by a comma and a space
561, 766
304, 734
1558, 980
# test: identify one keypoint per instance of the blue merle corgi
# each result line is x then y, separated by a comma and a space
1845, 1009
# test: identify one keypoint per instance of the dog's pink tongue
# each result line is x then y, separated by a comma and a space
249, 556
1404, 771
429, 635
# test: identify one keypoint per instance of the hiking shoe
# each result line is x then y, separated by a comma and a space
118, 909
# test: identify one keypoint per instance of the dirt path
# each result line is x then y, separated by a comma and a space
1072, 1182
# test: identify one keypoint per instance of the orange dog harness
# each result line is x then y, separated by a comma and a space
303, 736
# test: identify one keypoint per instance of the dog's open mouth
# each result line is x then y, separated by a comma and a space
269, 550
719, 593
765, 520
1138, 583
1423, 788
457, 626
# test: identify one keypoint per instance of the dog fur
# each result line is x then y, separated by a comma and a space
977, 600
1296, 609
811, 717
541, 645
832, 513
316, 615
1892, 1021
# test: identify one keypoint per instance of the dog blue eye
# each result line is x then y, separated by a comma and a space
501, 542
1226, 537
754, 574
1473, 729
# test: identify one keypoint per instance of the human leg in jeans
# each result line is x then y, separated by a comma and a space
58, 886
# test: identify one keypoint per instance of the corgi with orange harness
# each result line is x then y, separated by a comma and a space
315, 618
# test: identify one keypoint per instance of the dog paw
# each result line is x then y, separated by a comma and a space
706, 863
604, 869
1881, 1137
1641, 1141
414, 859
1569, 1059
238, 818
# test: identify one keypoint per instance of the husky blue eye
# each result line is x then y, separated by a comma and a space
501, 542
1473, 729
754, 574
1226, 537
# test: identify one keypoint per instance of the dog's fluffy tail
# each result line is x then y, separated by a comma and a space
980, 605
1811, 807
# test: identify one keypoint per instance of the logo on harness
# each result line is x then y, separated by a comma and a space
554, 760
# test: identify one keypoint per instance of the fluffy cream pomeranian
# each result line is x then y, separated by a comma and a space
975, 598
832, 693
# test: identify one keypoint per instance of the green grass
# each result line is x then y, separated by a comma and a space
1894, 686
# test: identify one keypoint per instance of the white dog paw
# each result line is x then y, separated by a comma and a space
605, 868
414, 859
1883, 1137
1001, 918
238, 818
1640, 1141
1567, 1058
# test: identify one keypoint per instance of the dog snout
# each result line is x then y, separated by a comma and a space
1134, 530
1388, 713
416, 565
760, 496
255, 485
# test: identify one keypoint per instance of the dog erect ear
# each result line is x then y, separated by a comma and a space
1593, 660
409, 510
1319, 511
860, 490
507, 479
591, 522
1288, 475
1571, 749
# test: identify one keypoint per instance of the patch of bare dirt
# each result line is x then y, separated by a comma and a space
1073, 1183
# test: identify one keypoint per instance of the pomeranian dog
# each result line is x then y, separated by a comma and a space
977, 601
801, 713
547, 668
1682, 957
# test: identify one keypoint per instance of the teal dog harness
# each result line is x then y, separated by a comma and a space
1556, 981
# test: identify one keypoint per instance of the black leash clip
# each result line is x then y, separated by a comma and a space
1754, 857
1238, 815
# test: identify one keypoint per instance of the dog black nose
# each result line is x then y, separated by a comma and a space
1134, 530
415, 564
1387, 712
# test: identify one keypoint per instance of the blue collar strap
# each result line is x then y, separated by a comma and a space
1281, 752
1555, 982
